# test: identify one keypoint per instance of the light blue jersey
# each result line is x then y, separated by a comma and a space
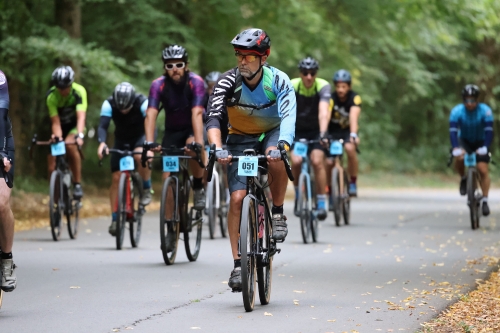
473, 126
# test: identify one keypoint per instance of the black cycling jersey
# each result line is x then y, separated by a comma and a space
5, 124
341, 110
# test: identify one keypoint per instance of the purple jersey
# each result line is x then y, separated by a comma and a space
4, 92
177, 100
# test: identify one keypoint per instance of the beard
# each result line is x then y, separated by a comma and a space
245, 72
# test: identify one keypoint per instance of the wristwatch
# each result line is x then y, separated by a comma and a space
81, 135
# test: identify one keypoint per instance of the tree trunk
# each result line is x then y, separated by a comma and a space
69, 17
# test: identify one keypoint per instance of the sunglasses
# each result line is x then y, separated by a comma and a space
306, 73
247, 57
178, 65
470, 100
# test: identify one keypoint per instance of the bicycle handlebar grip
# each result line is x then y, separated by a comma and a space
222, 154
284, 157
144, 155
5, 174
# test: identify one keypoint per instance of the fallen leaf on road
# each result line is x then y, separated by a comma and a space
299, 291
129, 328
296, 301
55, 269
331, 320
74, 287
379, 287
439, 264
196, 328
268, 314
225, 282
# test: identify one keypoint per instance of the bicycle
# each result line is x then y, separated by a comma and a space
9, 183
175, 201
61, 198
128, 204
217, 202
256, 246
339, 190
474, 191
308, 218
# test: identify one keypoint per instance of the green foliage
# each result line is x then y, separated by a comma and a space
409, 58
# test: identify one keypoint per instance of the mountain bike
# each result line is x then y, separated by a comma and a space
128, 204
217, 203
256, 246
9, 183
61, 197
339, 189
308, 218
177, 214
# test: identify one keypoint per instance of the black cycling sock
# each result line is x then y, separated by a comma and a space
197, 183
237, 263
277, 209
6, 255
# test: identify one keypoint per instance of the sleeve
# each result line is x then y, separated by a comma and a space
4, 92
52, 105
106, 109
144, 107
197, 86
102, 130
4, 114
488, 126
287, 106
356, 100
325, 94
216, 109
82, 107
155, 93
454, 127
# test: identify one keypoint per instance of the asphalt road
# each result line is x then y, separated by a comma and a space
401, 261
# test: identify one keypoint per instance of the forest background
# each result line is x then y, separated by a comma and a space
409, 60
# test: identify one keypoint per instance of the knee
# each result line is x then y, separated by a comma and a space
237, 199
317, 161
350, 150
296, 160
4, 201
116, 177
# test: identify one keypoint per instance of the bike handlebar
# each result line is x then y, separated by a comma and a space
5, 174
118, 151
279, 153
173, 151
34, 142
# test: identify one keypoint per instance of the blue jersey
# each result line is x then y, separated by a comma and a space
269, 105
472, 126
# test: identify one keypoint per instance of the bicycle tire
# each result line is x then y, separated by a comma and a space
302, 206
265, 265
121, 219
248, 239
170, 225
191, 222
223, 206
1, 295
335, 193
71, 209
212, 205
55, 210
471, 198
346, 201
135, 225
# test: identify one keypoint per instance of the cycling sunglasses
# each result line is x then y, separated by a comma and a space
247, 57
470, 100
306, 73
177, 65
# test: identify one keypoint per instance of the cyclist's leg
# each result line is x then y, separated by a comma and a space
74, 159
318, 163
296, 168
352, 166
144, 172
482, 167
197, 171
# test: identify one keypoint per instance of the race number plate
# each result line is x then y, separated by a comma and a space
336, 148
247, 166
300, 149
127, 163
470, 160
170, 164
58, 148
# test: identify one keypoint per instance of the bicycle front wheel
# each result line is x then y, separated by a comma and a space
335, 194
303, 209
123, 197
135, 224
55, 209
223, 203
346, 201
265, 262
248, 242
192, 223
472, 198
212, 205
169, 220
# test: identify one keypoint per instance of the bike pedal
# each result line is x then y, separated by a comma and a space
278, 250
237, 290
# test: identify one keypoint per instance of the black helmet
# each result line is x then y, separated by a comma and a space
124, 95
212, 77
342, 76
308, 63
174, 52
63, 77
253, 40
470, 90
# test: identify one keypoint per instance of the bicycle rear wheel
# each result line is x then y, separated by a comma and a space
302, 206
135, 224
169, 220
121, 220
265, 262
192, 223
55, 209
248, 241
472, 199
223, 206
346, 200
212, 204
335, 193
71, 208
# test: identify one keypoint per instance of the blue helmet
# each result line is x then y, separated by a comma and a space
342, 76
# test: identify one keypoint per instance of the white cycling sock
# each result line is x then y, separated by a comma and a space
484, 199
